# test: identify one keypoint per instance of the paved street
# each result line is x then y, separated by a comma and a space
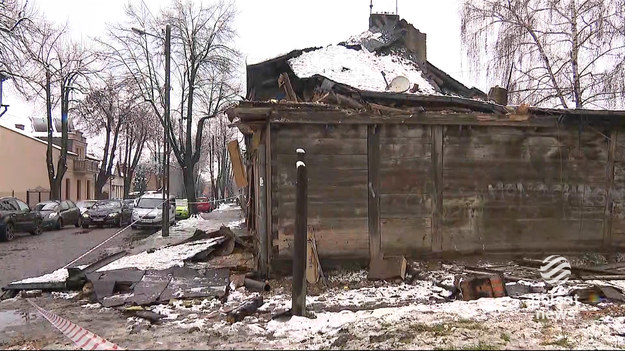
28, 256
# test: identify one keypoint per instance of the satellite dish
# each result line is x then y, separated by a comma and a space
399, 84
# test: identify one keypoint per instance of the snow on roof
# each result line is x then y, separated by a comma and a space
359, 68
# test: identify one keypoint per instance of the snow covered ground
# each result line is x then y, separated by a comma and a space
354, 313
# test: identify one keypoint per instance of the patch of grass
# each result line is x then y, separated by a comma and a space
469, 324
562, 342
505, 337
480, 347
523, 304
437, 329
545, 321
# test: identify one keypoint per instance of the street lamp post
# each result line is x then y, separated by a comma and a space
166, 117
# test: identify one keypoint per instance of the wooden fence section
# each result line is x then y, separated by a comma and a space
405, 189
522, 188
336, 160
450, 188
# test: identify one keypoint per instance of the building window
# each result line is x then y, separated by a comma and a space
67, 188
78, 189
88, 190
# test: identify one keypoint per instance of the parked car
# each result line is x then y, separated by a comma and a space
16, 216
56, 214
104, 212
130, 203
182, 208
84, 205
204, 205
148, 211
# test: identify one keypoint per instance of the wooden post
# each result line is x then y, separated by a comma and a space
437, 193
262, 210
373, 190
299, 245
268, 180
607, 221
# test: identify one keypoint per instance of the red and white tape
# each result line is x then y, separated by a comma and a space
83, 338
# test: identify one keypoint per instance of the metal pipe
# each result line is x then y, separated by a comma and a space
255, 285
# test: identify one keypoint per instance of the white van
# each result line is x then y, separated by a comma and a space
148, 211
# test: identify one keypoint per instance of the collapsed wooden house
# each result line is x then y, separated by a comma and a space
434, 168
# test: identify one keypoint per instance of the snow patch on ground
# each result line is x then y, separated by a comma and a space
65, 295
163, 258
358, 68
229, 206
235, 223
58, 276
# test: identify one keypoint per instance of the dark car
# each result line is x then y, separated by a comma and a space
103, 212
56, 214
16, 216
84, 205
130, 203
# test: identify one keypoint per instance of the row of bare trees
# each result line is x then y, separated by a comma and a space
202, 76
555, 53
114, 88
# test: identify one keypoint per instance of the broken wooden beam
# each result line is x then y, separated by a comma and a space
285, 82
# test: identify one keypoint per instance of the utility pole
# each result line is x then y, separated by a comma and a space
167, 126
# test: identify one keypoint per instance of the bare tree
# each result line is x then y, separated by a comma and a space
109, 109
203, 62
49, 68
567, 53
13, 15
137, 131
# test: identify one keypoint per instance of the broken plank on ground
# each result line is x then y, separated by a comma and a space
187, 283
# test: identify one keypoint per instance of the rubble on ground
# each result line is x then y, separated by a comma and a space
205, 287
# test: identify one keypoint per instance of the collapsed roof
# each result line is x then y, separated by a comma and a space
386, 62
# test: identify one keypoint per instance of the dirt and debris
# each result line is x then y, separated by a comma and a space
200, 305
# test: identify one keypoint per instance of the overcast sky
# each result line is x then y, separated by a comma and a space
268, 28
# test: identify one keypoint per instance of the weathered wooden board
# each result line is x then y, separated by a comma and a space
322, 131
508, 188
405, 205
406, 236
325, 209
390, 131
336, 160
328, 161
322, 146
401, 181
335, 237
408, 149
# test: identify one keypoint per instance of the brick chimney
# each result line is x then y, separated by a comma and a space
411, 37
498, 95
19, 126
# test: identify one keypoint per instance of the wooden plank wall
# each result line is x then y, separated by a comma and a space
502, 188
618, 190
336, 158
523, 188
405, 189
